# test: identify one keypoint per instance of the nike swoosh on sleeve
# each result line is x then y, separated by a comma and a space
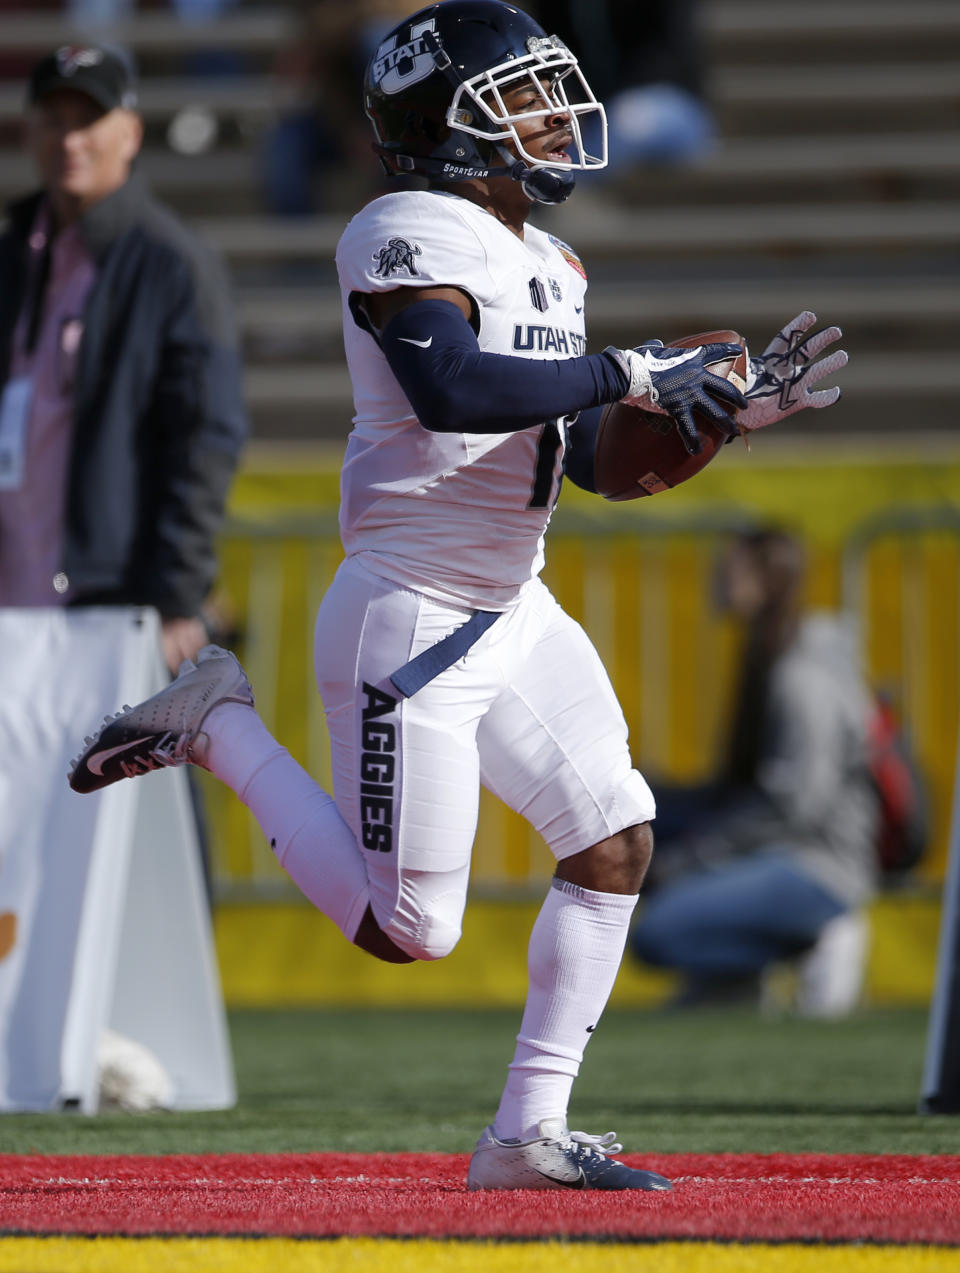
422, 344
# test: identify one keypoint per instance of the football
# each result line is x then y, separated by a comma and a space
641, 452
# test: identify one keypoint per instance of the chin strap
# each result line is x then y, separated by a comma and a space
540, 185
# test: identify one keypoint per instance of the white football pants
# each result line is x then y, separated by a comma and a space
529, 712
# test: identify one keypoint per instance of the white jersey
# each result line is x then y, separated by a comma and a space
457, 516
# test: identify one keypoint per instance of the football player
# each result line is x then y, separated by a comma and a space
443, 661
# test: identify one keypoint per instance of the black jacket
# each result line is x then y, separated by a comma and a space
159, 416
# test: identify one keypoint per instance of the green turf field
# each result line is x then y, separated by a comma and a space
411, 1080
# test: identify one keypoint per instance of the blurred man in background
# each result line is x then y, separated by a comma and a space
121, 418
778, 853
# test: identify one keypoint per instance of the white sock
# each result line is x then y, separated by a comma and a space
301, 822
575, 951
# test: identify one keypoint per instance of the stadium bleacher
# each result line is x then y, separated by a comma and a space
835, 185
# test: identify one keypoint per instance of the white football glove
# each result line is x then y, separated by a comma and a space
676, 382
781, 380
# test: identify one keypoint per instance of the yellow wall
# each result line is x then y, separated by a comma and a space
287, 953
637, 575
823, 488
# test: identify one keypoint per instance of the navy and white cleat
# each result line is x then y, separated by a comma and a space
556, 1159
164, 730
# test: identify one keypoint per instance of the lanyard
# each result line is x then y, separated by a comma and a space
36, 290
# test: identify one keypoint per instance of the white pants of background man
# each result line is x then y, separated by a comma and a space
530, 712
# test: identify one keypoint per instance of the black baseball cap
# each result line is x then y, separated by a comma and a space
98, 72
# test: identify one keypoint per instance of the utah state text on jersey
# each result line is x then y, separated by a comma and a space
542, 339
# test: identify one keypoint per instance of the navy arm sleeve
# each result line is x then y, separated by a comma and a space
455, 387
581, 443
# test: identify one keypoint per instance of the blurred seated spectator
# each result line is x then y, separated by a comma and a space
309, 150
647, 56
775, 859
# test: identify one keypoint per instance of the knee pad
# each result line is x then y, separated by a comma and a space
432, 931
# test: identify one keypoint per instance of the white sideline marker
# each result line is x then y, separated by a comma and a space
101, 896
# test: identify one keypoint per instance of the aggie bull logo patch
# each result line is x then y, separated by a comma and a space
395, 256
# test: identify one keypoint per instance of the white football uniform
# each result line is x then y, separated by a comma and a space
458, 516
437, 526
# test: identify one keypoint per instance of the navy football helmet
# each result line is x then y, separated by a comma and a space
434, 94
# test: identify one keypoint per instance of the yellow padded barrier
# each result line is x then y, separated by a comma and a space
289, 954
638, 576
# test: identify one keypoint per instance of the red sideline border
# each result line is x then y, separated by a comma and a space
728, 1197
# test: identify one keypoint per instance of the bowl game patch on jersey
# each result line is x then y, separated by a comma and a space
568, 255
